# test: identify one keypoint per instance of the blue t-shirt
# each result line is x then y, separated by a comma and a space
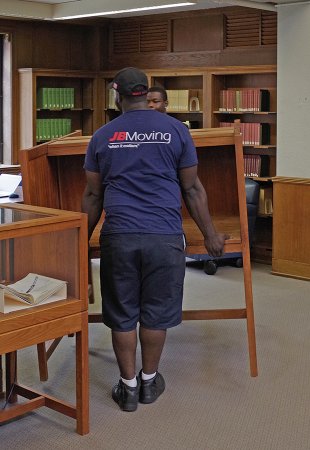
138, 156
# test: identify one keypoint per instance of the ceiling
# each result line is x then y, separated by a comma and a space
72, 9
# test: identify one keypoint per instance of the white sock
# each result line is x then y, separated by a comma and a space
131, 383
147, 376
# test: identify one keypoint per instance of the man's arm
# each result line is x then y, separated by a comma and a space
196, 201
92, 201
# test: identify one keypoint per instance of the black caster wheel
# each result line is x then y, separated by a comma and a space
239, 262
210, 267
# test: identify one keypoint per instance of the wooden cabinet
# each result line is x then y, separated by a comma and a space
53, 243
53, 103
291, 239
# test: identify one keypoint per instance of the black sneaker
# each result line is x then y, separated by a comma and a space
151, 389
126, 396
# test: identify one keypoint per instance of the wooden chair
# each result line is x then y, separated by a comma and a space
53, 176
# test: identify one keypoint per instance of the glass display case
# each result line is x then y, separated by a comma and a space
51, 243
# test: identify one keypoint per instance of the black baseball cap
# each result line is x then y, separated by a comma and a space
130, 81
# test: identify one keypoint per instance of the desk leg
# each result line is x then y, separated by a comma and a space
250, 313
11, 374
82, 378
1, 379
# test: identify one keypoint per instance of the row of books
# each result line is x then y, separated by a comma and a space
179, 100
47, 129
252, 165
253, 133
55, 98
245, 100
265, 205
183, 100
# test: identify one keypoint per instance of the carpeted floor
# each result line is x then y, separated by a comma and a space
211, 402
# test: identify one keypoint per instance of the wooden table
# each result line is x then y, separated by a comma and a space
53, 243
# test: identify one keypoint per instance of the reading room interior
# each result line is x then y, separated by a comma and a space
236, 369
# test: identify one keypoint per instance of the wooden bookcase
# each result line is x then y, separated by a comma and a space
93, 108
83, 114
190, 83
207, 84
244, 80
53, 243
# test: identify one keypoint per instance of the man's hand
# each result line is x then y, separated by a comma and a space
215, 244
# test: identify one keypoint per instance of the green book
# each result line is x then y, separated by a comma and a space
71, 97
61, 98
53, 128
40, 98
39, 130
53, 98
49, 100
57, 98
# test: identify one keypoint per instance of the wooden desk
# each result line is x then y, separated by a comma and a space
220, 169
52, 170
52, 243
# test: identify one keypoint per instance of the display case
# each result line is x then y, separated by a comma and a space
52, 243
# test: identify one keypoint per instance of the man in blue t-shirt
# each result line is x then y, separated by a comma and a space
137, 166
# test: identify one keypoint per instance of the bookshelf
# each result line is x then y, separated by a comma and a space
53, 103
248, 94
185, 95
208, 84
195, 97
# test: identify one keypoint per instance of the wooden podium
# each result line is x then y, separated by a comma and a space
53, 176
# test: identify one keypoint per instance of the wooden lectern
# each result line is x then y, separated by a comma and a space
53, 176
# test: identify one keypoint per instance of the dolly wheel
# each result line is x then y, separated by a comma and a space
210, 267
239, 262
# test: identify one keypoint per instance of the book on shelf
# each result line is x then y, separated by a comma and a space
30, 291
178, 100
55, 98
47, 129
265, 200
252, 133
252, 165
244, 100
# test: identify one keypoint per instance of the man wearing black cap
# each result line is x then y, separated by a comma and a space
136, 167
